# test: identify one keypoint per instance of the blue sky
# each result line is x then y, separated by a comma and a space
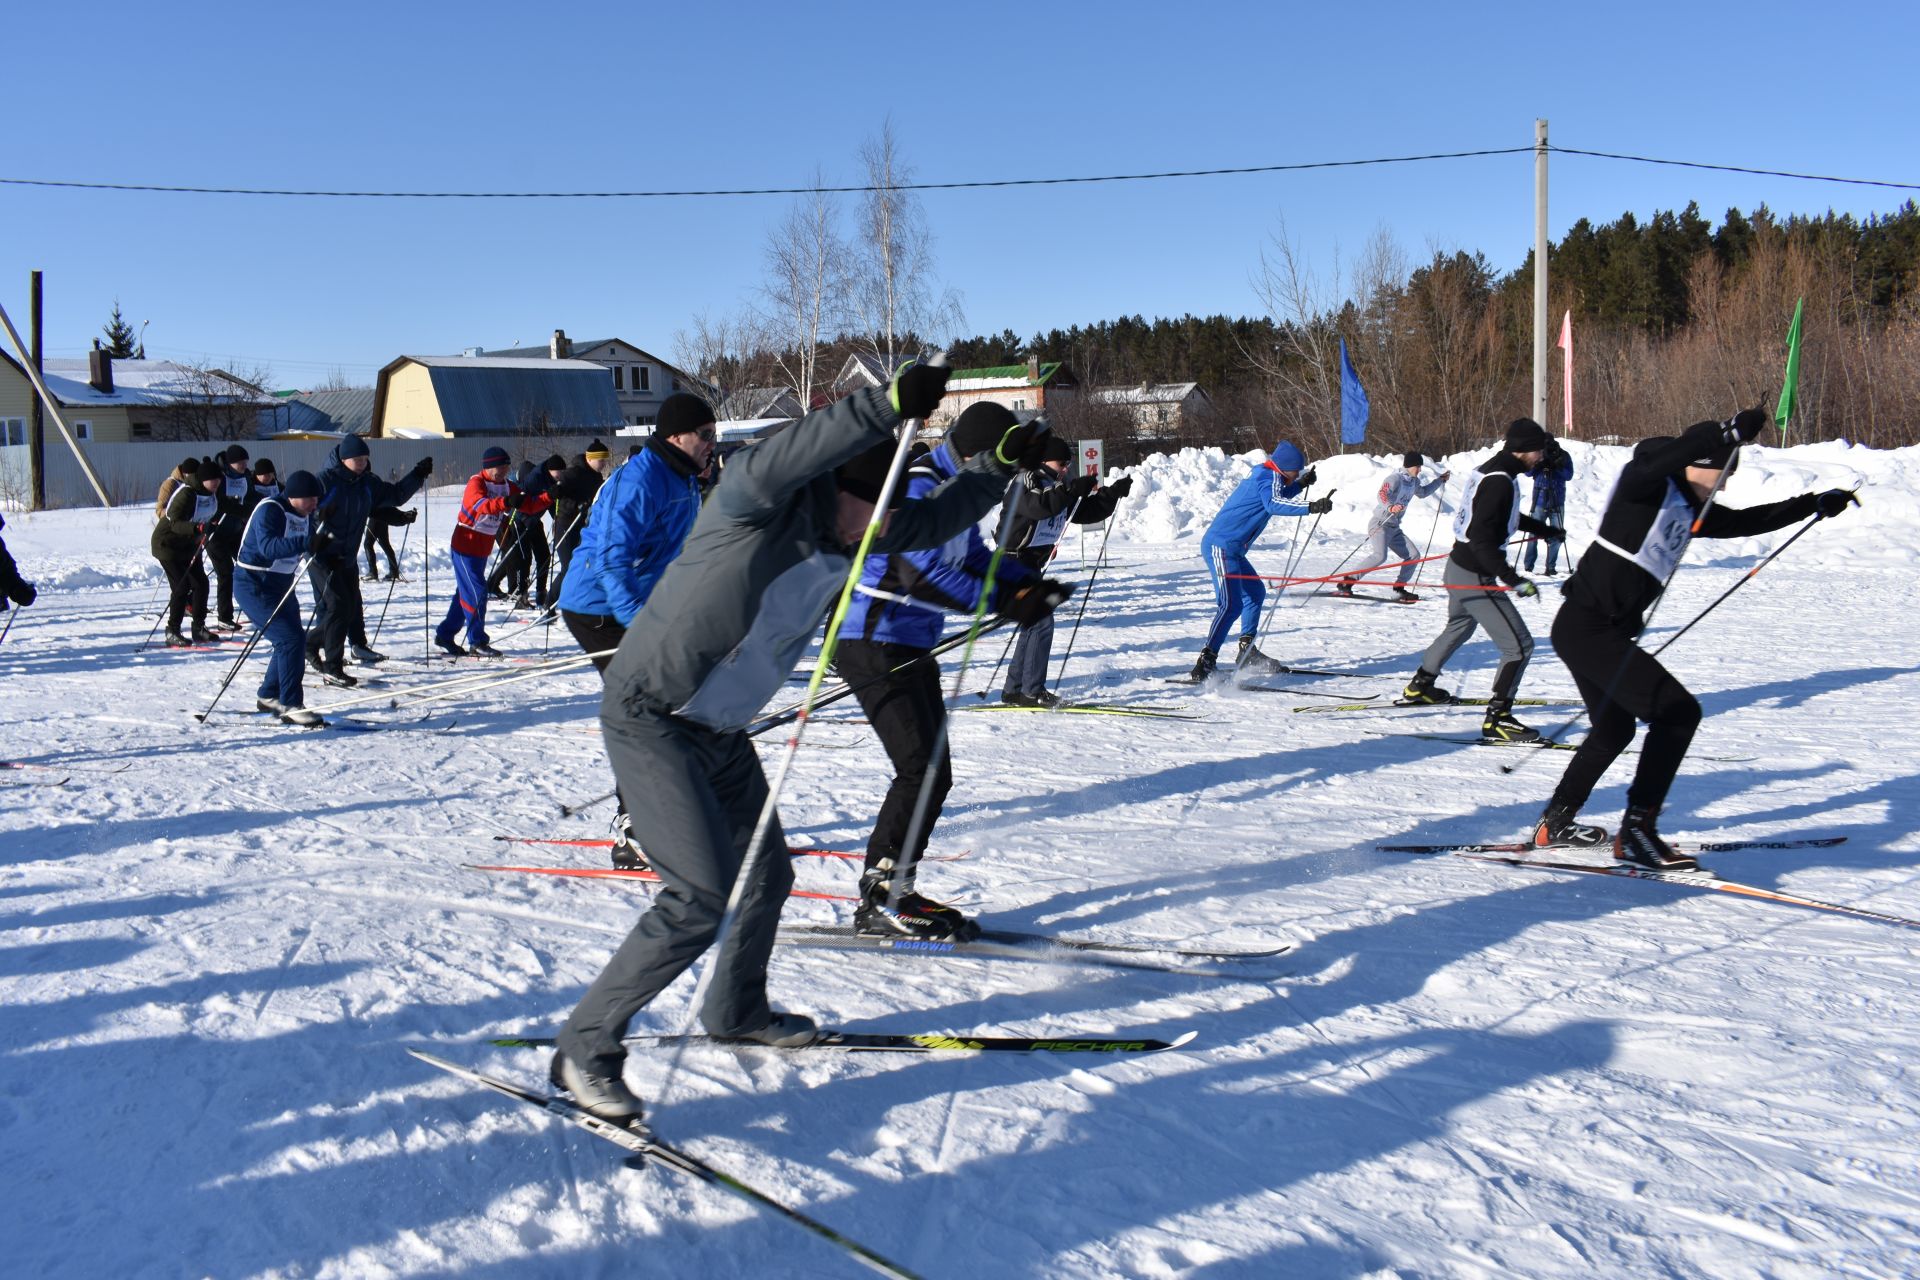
518, 97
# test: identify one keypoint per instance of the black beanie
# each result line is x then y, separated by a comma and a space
554, 463
1524, 435
352, 446
303, 484
979, 428
1413, 459
263, 467
681, 413
209, 470
864, 473
1056, 450
188, 467
235, 453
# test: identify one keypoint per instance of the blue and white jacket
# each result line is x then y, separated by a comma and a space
905, 597
635, 528
1260, 497
272, 546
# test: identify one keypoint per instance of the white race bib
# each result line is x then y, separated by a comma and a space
1464, 516
1666, 539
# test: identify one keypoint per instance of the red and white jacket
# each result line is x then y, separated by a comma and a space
483, 512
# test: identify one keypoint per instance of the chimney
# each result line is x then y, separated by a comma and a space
559, 348
1033, 367
100, 369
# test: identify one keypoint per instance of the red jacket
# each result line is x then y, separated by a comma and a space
483, 511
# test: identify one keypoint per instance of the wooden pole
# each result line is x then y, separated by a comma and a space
37, 439
53, 408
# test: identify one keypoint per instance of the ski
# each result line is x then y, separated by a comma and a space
1039, 950
604, 843
1708, 846
1696, 880
1015, 937
1278, 671
641, 1142
1543, 743
899, 1042
79, 768
37, 782
634, 873
1357, 701
1403, 704
1087, 709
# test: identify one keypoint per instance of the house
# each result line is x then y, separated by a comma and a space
423, 396
321, 413
113, 401
640, 381
861, 370
761, 402
1156, 406
1032, 385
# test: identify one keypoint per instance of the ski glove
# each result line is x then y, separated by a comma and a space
1081, 486
1022, 445
1744, 426
423, 468
1525, 589
1121, 487
1320, 506
24, 594
1308, 478
918, 389
1829, 504
320, 541
1034, 601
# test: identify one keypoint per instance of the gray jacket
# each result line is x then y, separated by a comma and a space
732, 615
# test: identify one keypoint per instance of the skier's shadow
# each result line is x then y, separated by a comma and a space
1794, 692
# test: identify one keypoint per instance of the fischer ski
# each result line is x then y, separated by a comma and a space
897, 1042
641, 1142
636, 873
1708, 846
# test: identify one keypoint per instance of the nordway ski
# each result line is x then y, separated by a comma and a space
895, 1042
1709, 846
640, 1141
635, 873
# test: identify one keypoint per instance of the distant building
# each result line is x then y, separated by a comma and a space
1032, 385
640, 381
321, 413
423, 396
112, 401
1156, 406
761, 402
861, 370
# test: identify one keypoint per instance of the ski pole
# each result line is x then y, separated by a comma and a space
11, 615
1745, 578
254, 639
495, 682
1431, 530
426, 572
1099, 563
832, 696
469, 683
390, 586
1267, 611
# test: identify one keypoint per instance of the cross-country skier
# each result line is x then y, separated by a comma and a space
524, 544
898, 611
379, 537
573, 494
1489, 514
178, 543
1384, 537
349, 493
637, 526
1047, 503
276, 538
483, 509
1550, 504
223, 536
186, 473
266, 483
12, 585
768, 554
1643, 533
1270, 491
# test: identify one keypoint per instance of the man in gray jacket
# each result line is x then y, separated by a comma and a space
1384, 536
726, 623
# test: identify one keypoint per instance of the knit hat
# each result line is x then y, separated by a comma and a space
1056, 450
864, 473
234, 453
263, 466
495, 456
188, 466
1721, 457
681, 413
979, 428
207, 469
302, 484
1524, 435
352, 446
1286, 456
597, 451
1413, 459
554, 463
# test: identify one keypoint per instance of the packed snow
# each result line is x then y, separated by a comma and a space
220, 939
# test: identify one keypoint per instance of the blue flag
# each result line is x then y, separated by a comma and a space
1353, 402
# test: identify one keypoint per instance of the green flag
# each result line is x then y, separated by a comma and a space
1791, 383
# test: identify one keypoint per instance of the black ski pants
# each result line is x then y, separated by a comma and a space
186, 590
1621, 684
596, 633
220, 555
338, 613
909, 715
518, 562
377, 535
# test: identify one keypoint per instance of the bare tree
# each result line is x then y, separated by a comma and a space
808, 287
727, 354
894, 289
1301, 370
213, 404
336, 380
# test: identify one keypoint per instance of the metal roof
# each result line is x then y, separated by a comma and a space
506, 395
346, 410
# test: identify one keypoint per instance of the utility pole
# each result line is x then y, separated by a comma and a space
1540, 271
37, 436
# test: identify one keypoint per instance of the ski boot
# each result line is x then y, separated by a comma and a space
271, 706
782, 1031
1344, 587
912, 916
1014, 698
200, 635
1045, 698
1250, 661
367, 657
1203, 667
337, 676
449, 646
1639, 842
1500, 726
1403, 596
177, 641
626, 852
484, 650
228, 624
301, 718
1421, 691
1557, 830
603, 1094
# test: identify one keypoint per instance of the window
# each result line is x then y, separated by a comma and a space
617, 386
646, 420
141, 430
642, 378
13, 430
83, 431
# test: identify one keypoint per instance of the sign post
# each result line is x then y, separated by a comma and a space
1093, 462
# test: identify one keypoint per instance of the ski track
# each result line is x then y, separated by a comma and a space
211, 962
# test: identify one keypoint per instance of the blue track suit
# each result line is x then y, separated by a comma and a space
1260, 497
634, 530
270, 552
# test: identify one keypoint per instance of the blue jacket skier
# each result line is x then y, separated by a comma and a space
277, 537
1272, 490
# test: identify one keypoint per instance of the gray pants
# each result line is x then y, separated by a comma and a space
1467, 609
1379, 542
695, 796
1027, 673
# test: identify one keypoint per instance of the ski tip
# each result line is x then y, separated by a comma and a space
521, 1042
432, 1059
1183, 1040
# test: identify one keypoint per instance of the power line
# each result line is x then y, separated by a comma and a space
1734, 168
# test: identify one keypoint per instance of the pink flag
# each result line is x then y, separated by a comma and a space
1566, 380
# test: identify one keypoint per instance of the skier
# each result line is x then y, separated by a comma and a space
349, 495
177, 543
1047, 503
1550, 504
12, 585
723, 627
1270, 491
1489, 513
894, 619
223, 536
379, 522
1384, 537
1643, 533
572, 497
276, 538
526, 542
483, 509
636, 528
266, 483
185, 473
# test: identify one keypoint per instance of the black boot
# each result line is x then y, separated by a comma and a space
909, 915
1203, 666
1639, 842
1422, 691
1249, 661
1500, 726
1557, 830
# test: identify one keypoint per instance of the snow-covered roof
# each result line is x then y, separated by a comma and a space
1145, 393
507, 362
147, 382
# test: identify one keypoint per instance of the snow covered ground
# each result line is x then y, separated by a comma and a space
213, 958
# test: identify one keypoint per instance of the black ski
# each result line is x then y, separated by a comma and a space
640, 1142
1403, 704
892, 1042
1708, 846
1086, 709
1278, 671
1037, 949
1073, 942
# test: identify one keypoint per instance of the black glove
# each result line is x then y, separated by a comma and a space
1034, 601
1552, 534
521, 501
1319, 506
403, 517
917, 389
1121, 487
1745, 425
423, 468
320, 541
1023, 444
1308, 478
1081, 486
1828, 504
24, 594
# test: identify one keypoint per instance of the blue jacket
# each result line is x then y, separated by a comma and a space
904, 598
1260, 497
348, 499
1550, 488
271, 547
635, 528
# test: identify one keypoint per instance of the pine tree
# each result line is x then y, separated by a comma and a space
121, 339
